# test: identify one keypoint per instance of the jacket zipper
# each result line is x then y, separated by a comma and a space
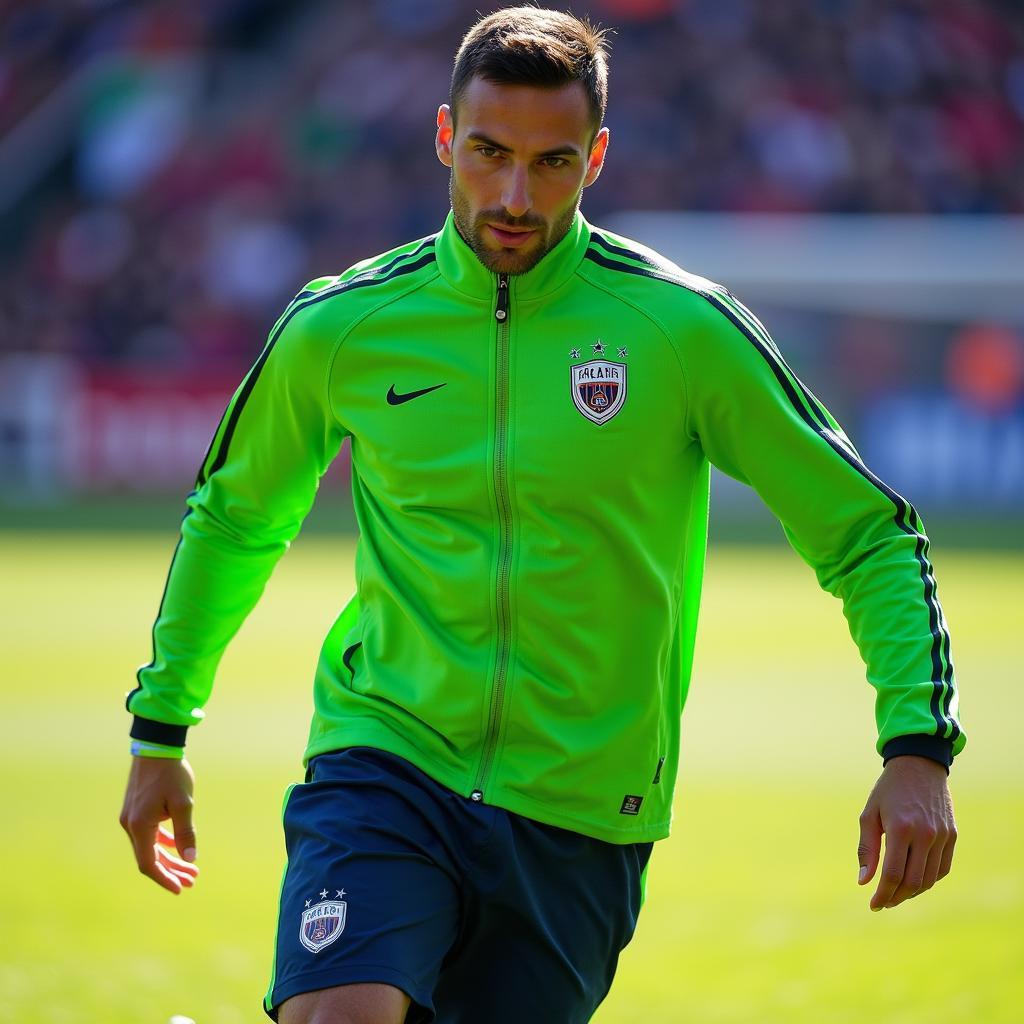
504, 502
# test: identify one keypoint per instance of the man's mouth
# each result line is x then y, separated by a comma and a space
511, 238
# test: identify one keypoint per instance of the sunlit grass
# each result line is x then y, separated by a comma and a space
753, 913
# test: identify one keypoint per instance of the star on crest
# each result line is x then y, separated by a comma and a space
308, 902
323, 894
599, 348
623, 352
339, 894
574, 354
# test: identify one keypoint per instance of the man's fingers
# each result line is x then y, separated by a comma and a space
940, 859
166, 838
179, 869
167, 879
893, 868
184, 833
141, 834
869, 846
159, 789
931, 870
156, 863
910, 804
146, 856
946, 861
175, 864
914, 873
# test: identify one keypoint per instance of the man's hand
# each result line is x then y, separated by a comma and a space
158, 789
912, 806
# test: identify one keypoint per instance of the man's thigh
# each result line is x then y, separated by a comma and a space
544, 922
370, 895
354, 1004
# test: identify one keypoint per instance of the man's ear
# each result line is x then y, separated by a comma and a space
445, 134
596, 159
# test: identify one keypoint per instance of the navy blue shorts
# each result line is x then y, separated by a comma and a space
476, 913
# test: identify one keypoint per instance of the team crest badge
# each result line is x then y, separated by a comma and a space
323, 922
599, 389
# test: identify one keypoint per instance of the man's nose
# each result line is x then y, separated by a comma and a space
515, 196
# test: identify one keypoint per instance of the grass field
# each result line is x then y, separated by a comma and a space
753, 911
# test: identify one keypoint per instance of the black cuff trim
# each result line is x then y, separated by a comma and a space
148, 731
935, 748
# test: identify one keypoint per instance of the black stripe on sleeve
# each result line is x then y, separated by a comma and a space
374, 277
905, 515
243, 396
756, 327
427, 243
159, 613
668, 273
618, 250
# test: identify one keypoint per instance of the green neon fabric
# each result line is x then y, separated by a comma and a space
506, 528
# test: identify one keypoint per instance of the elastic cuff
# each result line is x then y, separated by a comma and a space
141, 749
935, 748
161, 733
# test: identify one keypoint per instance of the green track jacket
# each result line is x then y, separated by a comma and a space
530, 460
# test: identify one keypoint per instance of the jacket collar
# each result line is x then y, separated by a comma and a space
460, 267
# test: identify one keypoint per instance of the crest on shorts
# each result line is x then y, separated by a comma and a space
323, 922
598, 388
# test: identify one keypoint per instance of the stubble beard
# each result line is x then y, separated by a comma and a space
507, 261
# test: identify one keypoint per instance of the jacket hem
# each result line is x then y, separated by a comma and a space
149, 731
935, 748
376, 734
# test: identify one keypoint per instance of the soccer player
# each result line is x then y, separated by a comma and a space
532, 404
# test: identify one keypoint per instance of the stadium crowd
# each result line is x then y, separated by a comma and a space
193, 164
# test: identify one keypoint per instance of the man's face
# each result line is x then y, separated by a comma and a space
520, 159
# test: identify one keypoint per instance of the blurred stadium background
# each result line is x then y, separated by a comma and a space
171, 174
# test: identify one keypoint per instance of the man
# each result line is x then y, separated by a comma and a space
532, 405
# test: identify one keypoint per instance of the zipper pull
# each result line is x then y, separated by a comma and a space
501, 309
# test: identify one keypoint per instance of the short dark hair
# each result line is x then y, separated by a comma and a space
535, 46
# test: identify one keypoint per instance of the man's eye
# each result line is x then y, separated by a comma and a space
554, 161
487, 151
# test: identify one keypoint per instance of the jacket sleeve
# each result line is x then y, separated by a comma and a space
757, 422
277, 437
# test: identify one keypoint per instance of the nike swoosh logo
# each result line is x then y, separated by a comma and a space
394, 399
